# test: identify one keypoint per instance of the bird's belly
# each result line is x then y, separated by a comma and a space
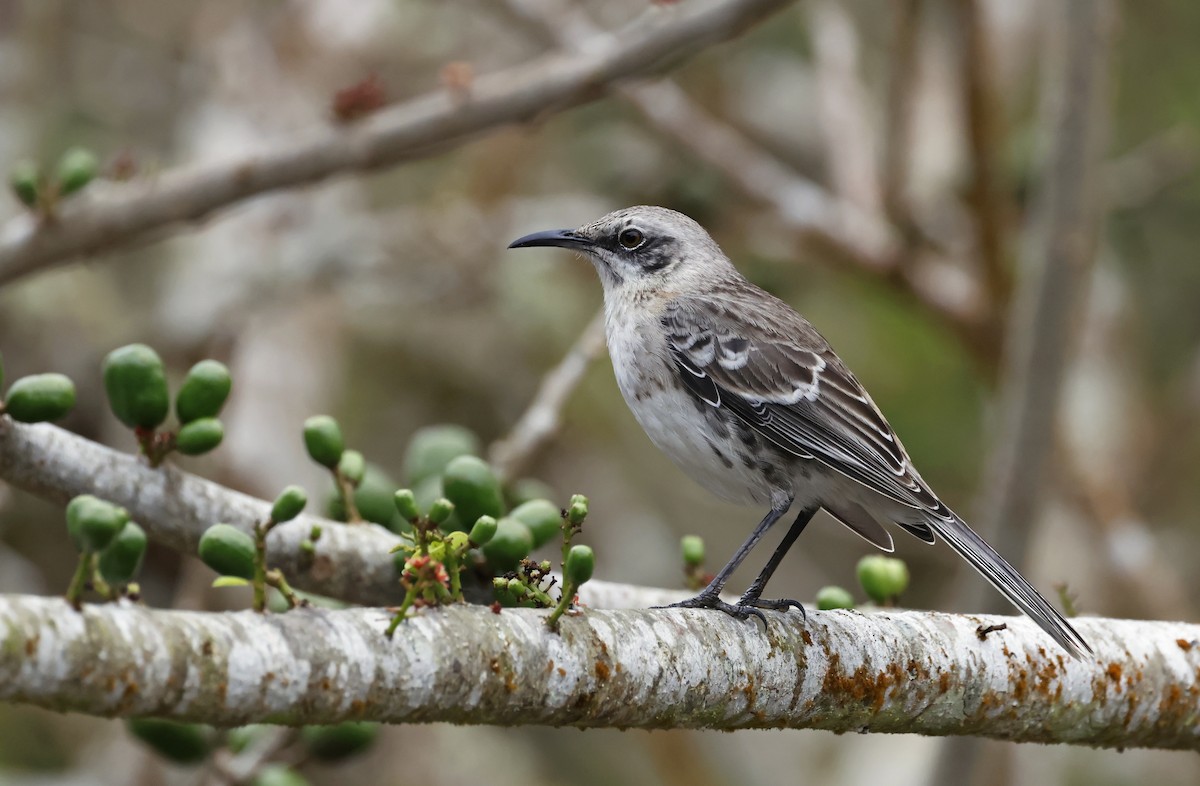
686, 434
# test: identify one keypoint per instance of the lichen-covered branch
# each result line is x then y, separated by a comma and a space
843, 671
145, 210
175, 507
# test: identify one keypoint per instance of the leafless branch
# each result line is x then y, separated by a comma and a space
124, 216
845, 671
897, 128
511, 455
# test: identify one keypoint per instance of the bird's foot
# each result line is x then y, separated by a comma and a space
782, 604
739, 611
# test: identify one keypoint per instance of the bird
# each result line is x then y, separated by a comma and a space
746, 397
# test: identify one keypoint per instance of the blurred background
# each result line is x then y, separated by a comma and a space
389, 301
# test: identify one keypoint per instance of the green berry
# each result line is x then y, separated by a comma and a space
834, 598
25, 179
882, 578
76, 168
278, 775
204, 391
136, 384
121, 560
199, 436
693, 550
184, 743
471, 485
511, 543
440, 510
93, 523
323, 439
581, 561
406, 505
352, 466
429, 490
374, 499
543, 518
483, 531
228, 551
288, 504
331, 743
433, 447
40, 398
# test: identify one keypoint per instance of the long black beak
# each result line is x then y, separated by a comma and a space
559, 238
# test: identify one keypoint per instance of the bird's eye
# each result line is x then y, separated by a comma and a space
631, 239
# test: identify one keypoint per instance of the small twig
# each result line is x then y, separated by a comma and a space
533, 431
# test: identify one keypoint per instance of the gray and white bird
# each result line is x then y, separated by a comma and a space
747, 398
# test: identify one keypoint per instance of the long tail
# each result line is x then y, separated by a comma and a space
1012, 584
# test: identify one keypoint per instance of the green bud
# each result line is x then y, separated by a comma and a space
25, 179
278, 775
577, 499
331, 743
693, 550
203, 392
352, 466
433, 447
500, 584
228, 551
136, 384
517, 588
185, 743
199, 436
288, 504
578, 511
581, 561
76, 168
93, 523
429, 490
543, 518
471, 485
483, 531
882, 578
40, 398
511, 543
323, 439
834, 598
437, 550
545, 566
440, 510
121, 560
457, 542
406, 504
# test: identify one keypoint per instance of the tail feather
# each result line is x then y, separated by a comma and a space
1011, 584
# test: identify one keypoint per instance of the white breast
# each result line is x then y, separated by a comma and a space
645, 376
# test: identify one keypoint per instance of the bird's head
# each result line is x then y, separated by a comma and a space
642, 249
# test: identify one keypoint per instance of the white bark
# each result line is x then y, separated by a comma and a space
908, 672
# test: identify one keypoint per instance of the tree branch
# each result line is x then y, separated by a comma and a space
175, 508
137, 213
843, 671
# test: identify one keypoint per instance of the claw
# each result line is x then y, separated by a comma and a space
783, 604
739, 611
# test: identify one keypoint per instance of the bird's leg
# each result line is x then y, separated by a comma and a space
752, 597
710, 596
